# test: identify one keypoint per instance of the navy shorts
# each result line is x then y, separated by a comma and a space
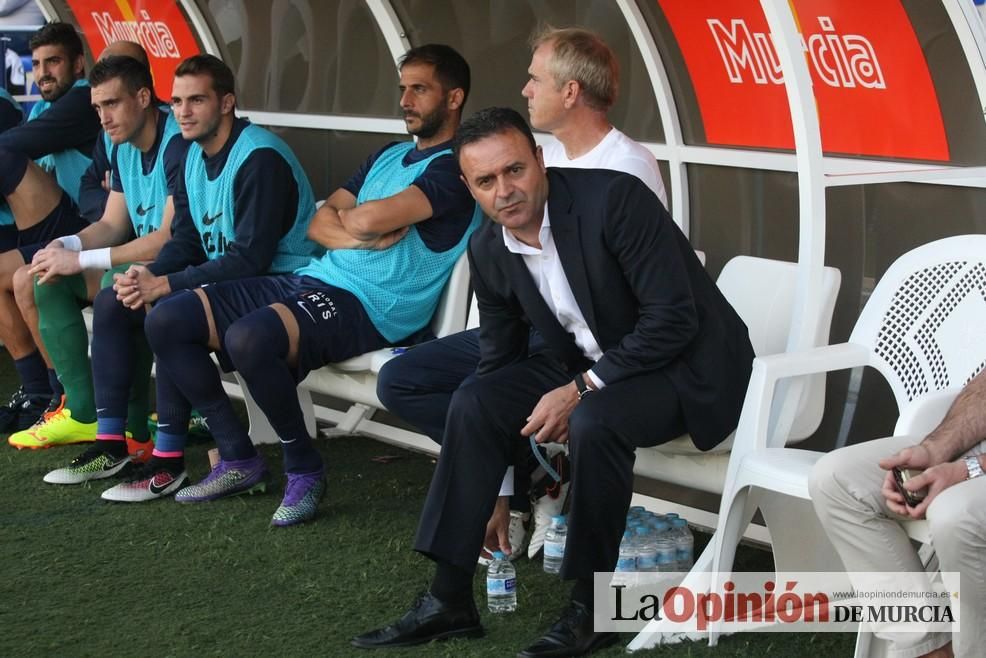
333, 325
63, 220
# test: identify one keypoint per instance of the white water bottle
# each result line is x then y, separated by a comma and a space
501, 584
626, 563
667, 557
684, 544
554, 544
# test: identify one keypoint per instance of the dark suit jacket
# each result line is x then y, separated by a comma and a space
644, 294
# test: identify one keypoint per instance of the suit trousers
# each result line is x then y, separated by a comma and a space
845, 490
482, 435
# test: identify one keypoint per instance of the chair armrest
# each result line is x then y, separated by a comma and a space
814, 361
754, 422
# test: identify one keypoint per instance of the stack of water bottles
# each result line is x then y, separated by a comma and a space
653, 543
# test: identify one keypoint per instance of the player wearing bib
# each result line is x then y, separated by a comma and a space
393, 234
242, 207
58, 137
147, 155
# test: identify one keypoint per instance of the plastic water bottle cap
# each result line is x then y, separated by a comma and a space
640, 530
498, 555
680, 523
558, 520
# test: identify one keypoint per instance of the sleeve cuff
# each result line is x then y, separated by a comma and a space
600, 384
178, 281
507, 486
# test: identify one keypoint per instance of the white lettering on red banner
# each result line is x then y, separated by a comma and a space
154, 36
839, 60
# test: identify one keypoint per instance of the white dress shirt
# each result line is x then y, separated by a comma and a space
549, 276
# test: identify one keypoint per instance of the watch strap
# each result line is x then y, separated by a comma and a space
973, 466
580, 384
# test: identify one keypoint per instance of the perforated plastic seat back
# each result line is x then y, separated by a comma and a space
925, 320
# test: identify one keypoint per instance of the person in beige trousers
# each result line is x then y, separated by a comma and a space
855, 497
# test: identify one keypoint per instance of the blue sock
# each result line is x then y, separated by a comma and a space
33, 374
179, 334
170, 446
258, 346
56, 386
111, 427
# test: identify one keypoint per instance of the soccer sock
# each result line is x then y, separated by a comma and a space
109, 433
114, 327
54, 383
170, 447
173, 412
257, 345
63, 331
178, 332
33, 373
13, 165
451, 585
139, 405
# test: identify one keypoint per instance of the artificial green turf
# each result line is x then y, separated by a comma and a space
83, 577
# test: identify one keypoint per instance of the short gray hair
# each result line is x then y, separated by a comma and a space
582, 56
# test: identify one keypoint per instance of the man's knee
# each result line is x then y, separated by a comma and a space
395, 381
107, 309
255, 340
588, 432
10, 262
176, 318
955, 516
823, 475
23, 282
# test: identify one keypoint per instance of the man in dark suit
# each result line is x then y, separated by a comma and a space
642, 348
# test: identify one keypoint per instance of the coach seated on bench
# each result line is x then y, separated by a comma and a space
641, 348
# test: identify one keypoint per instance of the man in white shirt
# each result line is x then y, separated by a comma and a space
573, 81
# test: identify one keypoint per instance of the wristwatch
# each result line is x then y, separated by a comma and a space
585, 390
971, 463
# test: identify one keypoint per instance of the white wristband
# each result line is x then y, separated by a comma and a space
95, 259
71, 242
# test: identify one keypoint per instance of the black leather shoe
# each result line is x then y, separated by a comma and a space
428, 619
571, 635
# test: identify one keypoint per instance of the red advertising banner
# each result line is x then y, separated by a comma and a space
872, 86
158, 25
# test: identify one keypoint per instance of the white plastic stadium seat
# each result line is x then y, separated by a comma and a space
920, 331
